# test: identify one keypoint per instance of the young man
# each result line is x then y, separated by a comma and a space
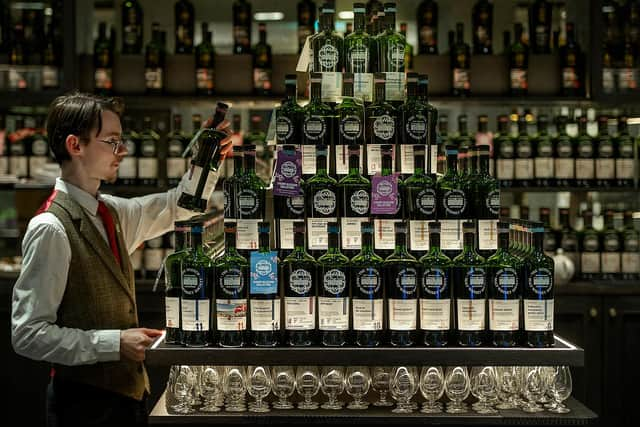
74, 304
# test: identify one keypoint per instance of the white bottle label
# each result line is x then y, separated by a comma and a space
231, 314
147, 167
407, 165
342, 159
367, 314
435, 314
333, 313
585, 168
605, 168
504, 315
176, 167
350, 233
505, 169
631, 262
300, 313
544, 167
610, 262
434, 158
18, 166
470, 314
318, 239
36, 163
419, 235
172, 312
403, 314
590, 262
565, 168
247, 234
488, 234
127, 168
265, 315
153, 258
331, 82
625, 168
192, 180
394, 85
195, 314
538, 315
374, 159
524, 168
363, 86
450, 235
385, 237
309, 159
286, 233
209, 186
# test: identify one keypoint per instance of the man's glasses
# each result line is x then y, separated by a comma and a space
116, 143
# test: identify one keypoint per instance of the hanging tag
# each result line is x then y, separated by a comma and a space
384, 194
288, 172
305, 57
195, 138
264, 273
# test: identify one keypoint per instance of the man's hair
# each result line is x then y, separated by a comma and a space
76, 114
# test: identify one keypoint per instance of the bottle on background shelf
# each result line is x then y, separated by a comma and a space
359, 55
540, 27
482, 27
173, 281
505, 152
205, 63
518, 64
242, 16
103, 62
155, 57
572, 64
427, 24
176, 143
128, 169
148, 154
262, 63
306, 21
184, 17
132, 27
460, 64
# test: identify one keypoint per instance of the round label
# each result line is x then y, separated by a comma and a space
131, 146
328, 56
611, 243
295, 204
175, 148
606, 149
284, 128
585, 150
300, 281
148, 148
231, 281
248, 202
493, 202
407, 280
351, 127
397, 55
288, 169
368, 281
39, 147
475, 281
384, 188
631, 244
455, 201
192, 281
564, 148
626, 149
434, 281
334, 281
359, 56
506, 281
590, 243
506, 149
263, 267
416, 127
426, 201
359, 202
569, 243
545, 150
384, 127
324, 201
524, 148
541, 281
314, 128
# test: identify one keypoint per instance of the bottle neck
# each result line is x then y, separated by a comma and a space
291, 92
298, 243
564, 220
321, 165
180, 239
419, 164
316, 91
237, 165
434, 243
401, 244
263, 242
250, 163
412, 90
484, 164
390, 21
326, 22
347, 89
354, 164
333, 244
469, 242
588, 221
263, 37
503, 241
452, 164
387, 165
196, 240
379, 93
229, 241
367, 243
359, 22
538, 241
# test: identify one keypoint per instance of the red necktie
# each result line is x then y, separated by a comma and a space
107, 220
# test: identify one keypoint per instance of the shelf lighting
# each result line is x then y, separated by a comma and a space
345, 14
268, 16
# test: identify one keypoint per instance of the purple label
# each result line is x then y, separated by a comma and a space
288, 173
384, 194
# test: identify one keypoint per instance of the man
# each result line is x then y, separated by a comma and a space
74, 303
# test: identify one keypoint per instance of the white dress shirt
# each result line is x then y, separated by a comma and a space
45, 267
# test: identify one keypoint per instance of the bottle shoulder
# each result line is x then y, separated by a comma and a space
333, 260
366, 260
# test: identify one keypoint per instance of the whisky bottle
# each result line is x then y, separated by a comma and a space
262, 63
173, 281
241, 26
524, 155
205, 63
625, 169
251, 199
39, 147
452, 204
386, 204
460, 64
327, 45
408, 50
538, 295
318, 121
568, 238
154, 62
353, 203
487, 195
391, 56
482, 25
469, 277
148, 155
414, 124
128, 170
177, 142
298, 277
232, 286
306, 21
504, 281
571, 64
518, 64
420, 203
585, 162
589, 249
505, 153
367, 292
103, 63
484, 137
611, 249
264, 292
605, 169
289, 210
432, 127
381, 119
435, 292
630, 261
184, 15
288, 114
358, 48
540, 26
333, 292
132, 23
197, 276
427, 15
231, 185
350, 114
543, 162
564, 150
401, 270
549, 245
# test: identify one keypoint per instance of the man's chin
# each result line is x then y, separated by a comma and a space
110, 180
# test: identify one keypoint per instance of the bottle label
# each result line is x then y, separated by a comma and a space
407, 164
284, 128
419, 235
505, 282
333, 313
195, 314
435, 314
231, 281
192, 180
359, 202
543, 167
403, 314
358, 57
342, 159
384, 127
265, 315
625, 168
631, 262
541, 282
176, 167
328, 56
426, 201
451, 235
605, 169
35, 164
334, 281
492, 202
18, 166
470, 313
287, 174
610, 262
286, 233
172, 312
628, 79
264, 273
384, 194
39, 147
564, 168
192, 282
406, 281
608, 80
231, 314
248, 202
262, 79
368, 281
395, 81
153, 78
475, 281
631, 242
318, 239
585, 168
504, 315
487, 234
367, 314
103, 79
205, 79
300, 313
209, 186
590, 262
538, 315
611, 243
153, 259
147, 167
314, 128
128, 168
435, 282
300, 281
416, 128
247, 234
350, 235
570, 78
309, 159
519, 78
374, 159
461, 79
385, 238
324, 202
523, 168
295, 205
331, 86
455, 201
505, 169
351, 128
363, 86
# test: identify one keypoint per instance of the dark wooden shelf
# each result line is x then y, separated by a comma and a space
579, 415
564, 353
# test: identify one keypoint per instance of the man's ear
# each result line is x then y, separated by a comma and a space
72, 143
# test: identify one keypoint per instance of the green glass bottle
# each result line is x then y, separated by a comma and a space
251, 199
103, 56
289, 113
327, 45
504, 281
414, 126
460, 64
232, 289
205, 63
230, 186
132, 27
630, 246
611, 249
289, 209
197, 276
589, 249
433, 141
505, 153
184, 18
469, 276
262, 63
384, 222
354, 196
538, 295
543, 162
452, 204
408, 50
176, 143
435, 292
333, 292
350, 114
585, 156
298, 277
358, 50
264, 292
148, 154
524, 155
391, 56
420, 203
625, 164
604, 151
564, 150
154, 63
172, 281
367, 292
318, 121
321, 204
487, 202
518, 64
401, 278
381, 118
